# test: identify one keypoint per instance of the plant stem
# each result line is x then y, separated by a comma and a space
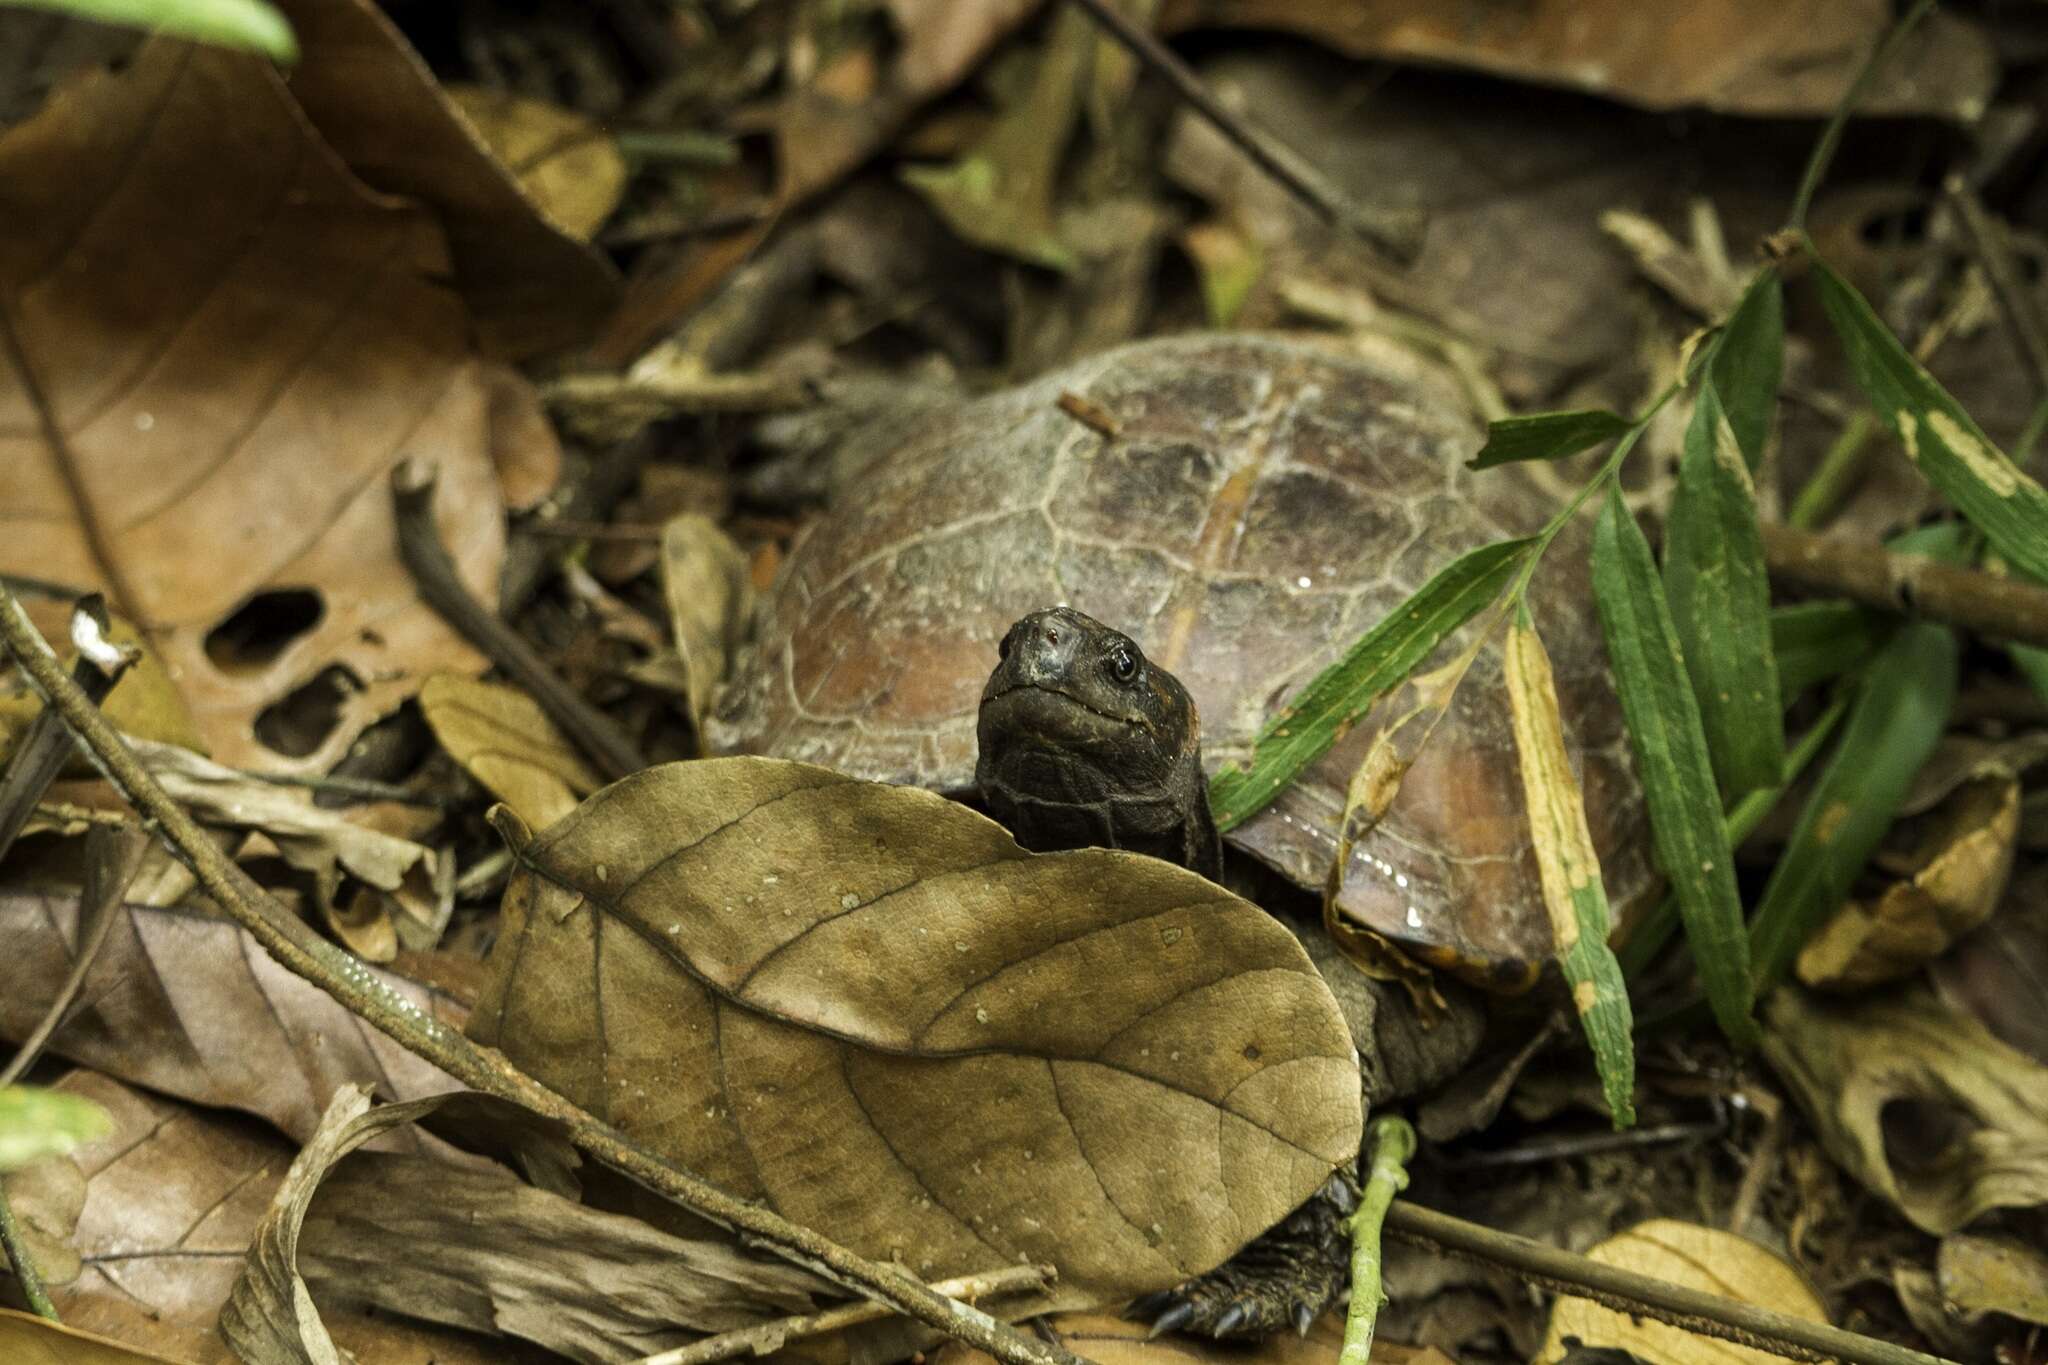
1392, 1143
1831, 136
1836, 474
24, 1264
303, 952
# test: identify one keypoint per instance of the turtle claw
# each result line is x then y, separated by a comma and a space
1304, 1318
1177, 1315
1232, 1317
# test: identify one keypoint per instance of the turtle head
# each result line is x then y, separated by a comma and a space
1085, 741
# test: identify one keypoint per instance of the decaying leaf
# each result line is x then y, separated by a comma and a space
710, 601
475, 1248
187, 1003
504, 740
1115, 1341
1697, 1257
569, 166
1918, 1102
145, 702
1994, 1275
1999, 973
531, 285
1957, 869
29, 1340
1737, 56
868, 1007
1572, 890
202, 429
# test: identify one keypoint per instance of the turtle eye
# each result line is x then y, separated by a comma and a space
1003, 646
1123, 663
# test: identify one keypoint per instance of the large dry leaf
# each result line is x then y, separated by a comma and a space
504, 740
710, 602
1110, 1340
1739, 56
474, 1248
567, 164
189, 1004
1915, 1100
531, 284
868, 1007
214, 345
1697, 1257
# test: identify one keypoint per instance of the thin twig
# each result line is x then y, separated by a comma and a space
2016, 300
1392, 1142
354, 788
25, 1272
1982, 603
771, 1336
1836, 474
1831, 136
419, 544
1396, 231
113, 855
298, 949
1625, 1291
668, 395
43, 750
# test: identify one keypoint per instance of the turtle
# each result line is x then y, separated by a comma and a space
1243, 506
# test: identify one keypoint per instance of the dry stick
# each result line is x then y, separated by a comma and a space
419, 544
1982, 603
1625, 1291
1397, 231
770, 1336
2015, 296
42, 752
303, 952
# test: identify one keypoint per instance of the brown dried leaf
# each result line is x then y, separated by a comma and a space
1958, 873
569, 167
214, 344
474, 1248
1999, 974
1918, 1102
505, 741
710, 602
1994, 1275
29, 1340
1110, 1340
531, 285
188, 1004
1701, 1258
1737, 56
919, 1039
145, 702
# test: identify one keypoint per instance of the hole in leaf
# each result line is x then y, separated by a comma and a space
298, 723
1920, 1134
262, 628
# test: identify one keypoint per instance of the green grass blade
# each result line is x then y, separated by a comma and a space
1747, 362
1670, 743
1900, 710
249, 24
1721, 602
1817, 642
1307, 726
1547, 436
1573, 894
1949, 450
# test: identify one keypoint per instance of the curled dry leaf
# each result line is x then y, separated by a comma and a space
710, 601
531, 285
29, 1340
569, 167
1958, 869
471, 1247
145, 702
504, 740
1736, 56
868, 1007
1114, 1341
1918, 1102
188, 1004
1696, 1257
1998, 974
202, 429
1994, 1275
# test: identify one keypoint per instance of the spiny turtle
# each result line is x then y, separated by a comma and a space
1244, 507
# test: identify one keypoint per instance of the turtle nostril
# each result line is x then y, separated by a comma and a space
1052, 637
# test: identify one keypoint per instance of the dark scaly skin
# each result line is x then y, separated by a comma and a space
1084, 742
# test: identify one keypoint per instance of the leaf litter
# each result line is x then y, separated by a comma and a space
204, 427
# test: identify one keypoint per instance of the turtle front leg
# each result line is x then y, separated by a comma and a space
1285, 1277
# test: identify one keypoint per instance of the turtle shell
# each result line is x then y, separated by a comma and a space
1261, 503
